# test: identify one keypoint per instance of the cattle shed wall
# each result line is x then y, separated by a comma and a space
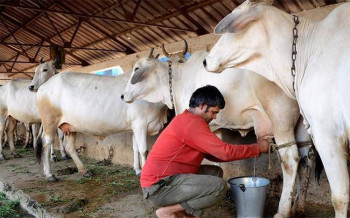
118, 147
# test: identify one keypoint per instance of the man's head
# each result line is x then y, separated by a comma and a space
207, 102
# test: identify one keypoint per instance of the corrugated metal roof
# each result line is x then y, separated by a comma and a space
107, 29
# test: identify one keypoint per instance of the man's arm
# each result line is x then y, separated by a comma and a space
200, 137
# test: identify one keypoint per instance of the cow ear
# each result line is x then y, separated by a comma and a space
139, 75
236, 22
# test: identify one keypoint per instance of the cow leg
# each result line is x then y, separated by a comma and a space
11, 128
303, 178
70, 146
140, 137
2, 133
15, 135
35, 135
333, 156
307, 163
39, 134
48, 140
61, 141
53, 157
290, 160
27, 127
137, 167
6, 140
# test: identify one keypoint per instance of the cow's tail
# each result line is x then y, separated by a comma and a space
39, 148
318, 168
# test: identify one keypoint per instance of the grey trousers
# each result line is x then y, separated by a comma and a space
193, 192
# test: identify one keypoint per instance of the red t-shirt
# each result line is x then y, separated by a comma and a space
182, 146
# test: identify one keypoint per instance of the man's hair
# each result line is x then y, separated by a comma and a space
208, 95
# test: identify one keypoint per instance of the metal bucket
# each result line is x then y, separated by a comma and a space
249, 194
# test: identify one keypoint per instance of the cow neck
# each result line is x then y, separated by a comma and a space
306, 46
176, 86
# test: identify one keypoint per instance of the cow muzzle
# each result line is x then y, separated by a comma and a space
126, 99
32, 89
213, 68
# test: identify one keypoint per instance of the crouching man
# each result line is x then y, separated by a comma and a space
172, 177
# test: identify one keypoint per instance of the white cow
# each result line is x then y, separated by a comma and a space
251, 102
259, 37
17, 103
91, 104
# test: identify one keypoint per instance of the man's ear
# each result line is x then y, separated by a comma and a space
202, 106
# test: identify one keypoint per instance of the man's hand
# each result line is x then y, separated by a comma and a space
264, 143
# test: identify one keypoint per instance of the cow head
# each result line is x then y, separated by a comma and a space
147, 79
243, 38
178, 57
42, 73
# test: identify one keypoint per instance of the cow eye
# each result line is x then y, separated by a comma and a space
45, 70
136, 69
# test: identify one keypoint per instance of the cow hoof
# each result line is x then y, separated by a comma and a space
88, 174
278, 215
53, 159
17, 156
52, 179
66, 157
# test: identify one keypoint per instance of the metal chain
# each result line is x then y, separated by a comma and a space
171, 84
294, 47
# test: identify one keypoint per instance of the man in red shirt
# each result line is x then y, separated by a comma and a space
170, 176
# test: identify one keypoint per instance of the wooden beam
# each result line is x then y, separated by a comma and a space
14, 62
136, 8
128, 50
165, 17
75, 32
30, 62
14, 37
54, 27
66, 47
200, 29
94, 17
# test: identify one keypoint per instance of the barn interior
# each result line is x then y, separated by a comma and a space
107, 37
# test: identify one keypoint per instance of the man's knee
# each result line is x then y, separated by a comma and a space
219, 187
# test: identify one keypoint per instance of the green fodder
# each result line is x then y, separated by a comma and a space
8, 208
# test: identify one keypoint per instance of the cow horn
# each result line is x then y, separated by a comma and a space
41, 61
151, 53
164, 51
186, 48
